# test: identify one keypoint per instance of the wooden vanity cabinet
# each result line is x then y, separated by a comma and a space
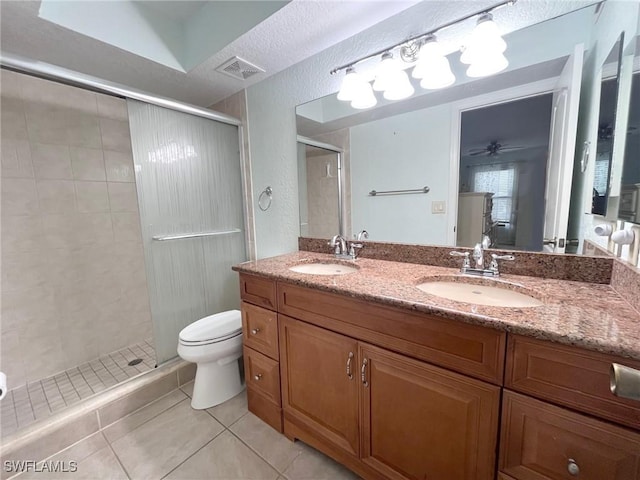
261, 353
402, 417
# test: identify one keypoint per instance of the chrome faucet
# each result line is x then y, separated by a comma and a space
478, 256
362, 234
339, 245
343, 249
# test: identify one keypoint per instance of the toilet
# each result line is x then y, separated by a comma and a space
214, 344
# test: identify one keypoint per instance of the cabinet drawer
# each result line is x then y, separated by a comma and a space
541, 441
260, 329
468, 349
257, 290
569, 376
262, 374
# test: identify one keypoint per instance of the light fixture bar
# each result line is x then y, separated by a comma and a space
426, 34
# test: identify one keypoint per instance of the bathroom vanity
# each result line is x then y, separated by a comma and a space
395, 383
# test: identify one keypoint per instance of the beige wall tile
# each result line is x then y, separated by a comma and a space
68, 231
115, 135
51, 161
16, 159
56, 196
53, 94
112, 107
10, 84
21, 233
19, 196
11, 359
126, 227
87, 164
92, 197
12, 119
123, 197
119, 166
61, 126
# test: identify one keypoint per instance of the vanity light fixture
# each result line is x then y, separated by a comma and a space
392, 79
484, 53
433, 66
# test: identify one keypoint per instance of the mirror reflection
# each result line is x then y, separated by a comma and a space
629, 209
496, 154
606, 129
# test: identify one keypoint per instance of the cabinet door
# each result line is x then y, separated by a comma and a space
317, 392
544, 442
423, 422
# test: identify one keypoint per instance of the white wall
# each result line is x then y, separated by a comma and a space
406, 151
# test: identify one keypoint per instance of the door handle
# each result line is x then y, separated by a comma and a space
349, 374
363, 372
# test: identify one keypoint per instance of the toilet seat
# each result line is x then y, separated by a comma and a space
212, 329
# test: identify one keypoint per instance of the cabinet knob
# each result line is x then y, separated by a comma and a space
572, 467
257, 377
255, 331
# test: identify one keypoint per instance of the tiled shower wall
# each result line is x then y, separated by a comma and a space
73, 277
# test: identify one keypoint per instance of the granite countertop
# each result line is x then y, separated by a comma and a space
593, 316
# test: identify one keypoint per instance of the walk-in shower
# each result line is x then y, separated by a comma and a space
94, 290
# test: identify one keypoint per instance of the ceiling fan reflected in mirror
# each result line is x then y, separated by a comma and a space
493, 149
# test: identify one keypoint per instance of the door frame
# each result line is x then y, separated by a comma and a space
497, 97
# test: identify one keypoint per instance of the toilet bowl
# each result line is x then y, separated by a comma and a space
214, 344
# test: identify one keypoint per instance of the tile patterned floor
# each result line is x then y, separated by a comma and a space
167, 439
28, 403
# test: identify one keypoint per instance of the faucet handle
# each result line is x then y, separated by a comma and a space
465, 262
354, 248
495, 258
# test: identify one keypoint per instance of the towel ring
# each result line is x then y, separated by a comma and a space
267, 193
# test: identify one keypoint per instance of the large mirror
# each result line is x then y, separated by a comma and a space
629, 204
606, 129
490, 156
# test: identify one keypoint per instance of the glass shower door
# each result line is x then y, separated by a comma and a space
189, 186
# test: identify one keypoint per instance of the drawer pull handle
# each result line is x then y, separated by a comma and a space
257, 377
349, 374
363, 372
255, 331
573, 468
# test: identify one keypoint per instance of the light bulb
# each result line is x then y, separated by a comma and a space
385, 71
399, 86
365, 98
351, 85
438, 74
488, 65
484, 40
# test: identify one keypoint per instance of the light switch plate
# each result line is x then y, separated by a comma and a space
438, 207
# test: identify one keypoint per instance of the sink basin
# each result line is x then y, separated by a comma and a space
324, 269
494, 295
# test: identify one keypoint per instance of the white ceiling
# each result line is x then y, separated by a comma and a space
297, 31
180, 10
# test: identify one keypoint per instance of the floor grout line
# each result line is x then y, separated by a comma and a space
115, 454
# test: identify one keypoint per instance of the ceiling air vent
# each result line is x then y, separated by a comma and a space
238, 68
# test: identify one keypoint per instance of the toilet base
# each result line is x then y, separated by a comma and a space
215, 384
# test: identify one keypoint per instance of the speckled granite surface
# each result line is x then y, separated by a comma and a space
593, 316
625, 280
577, 268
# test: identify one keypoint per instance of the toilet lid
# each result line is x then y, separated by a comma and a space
218, 326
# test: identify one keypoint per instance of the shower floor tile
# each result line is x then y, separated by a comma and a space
41, 398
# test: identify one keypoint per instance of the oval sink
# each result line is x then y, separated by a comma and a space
324, 269
495, 295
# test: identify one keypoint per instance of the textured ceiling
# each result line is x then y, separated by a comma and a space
297, 31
